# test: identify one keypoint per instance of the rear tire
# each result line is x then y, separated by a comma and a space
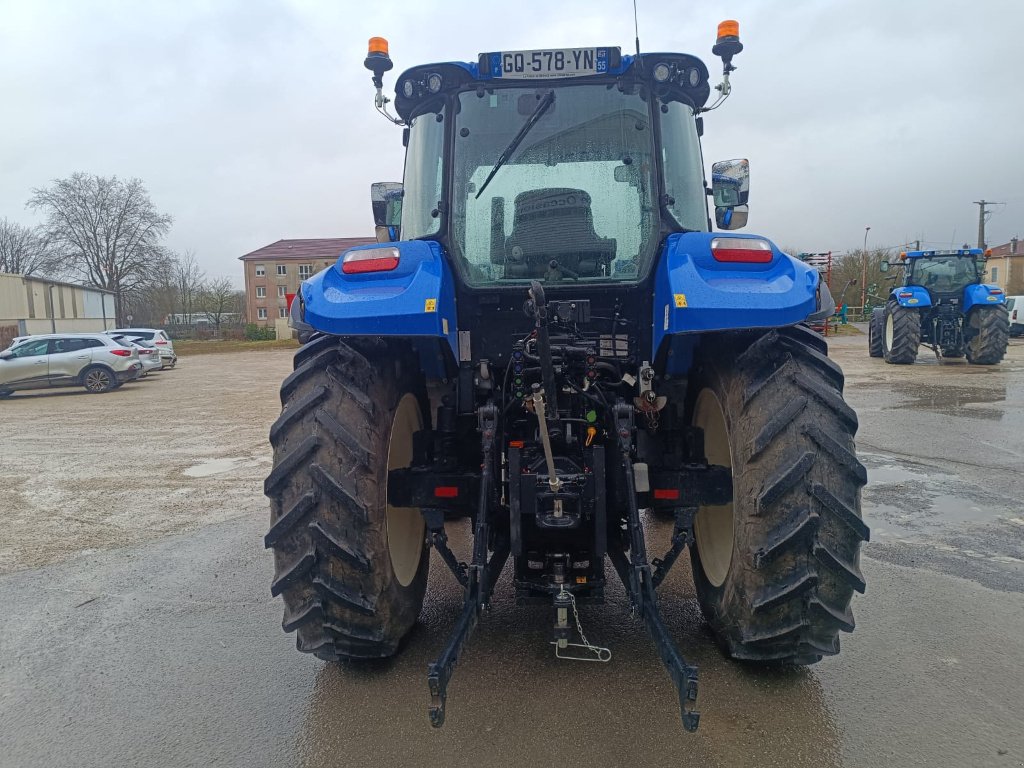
988, 331
775, 570
98, 379
901, 334
876, 327
351, 569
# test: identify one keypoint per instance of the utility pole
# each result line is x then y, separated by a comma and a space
982, 204
864, 271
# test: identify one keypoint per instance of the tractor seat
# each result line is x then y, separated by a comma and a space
556, 224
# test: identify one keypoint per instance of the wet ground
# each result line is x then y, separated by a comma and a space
139, 629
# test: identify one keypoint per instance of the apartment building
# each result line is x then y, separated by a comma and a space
274, 272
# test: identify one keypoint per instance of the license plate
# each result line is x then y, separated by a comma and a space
550, 63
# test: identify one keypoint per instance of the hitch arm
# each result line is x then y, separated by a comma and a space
481, 574
639, 579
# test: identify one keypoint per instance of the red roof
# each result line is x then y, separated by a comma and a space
306, 250
1012, 248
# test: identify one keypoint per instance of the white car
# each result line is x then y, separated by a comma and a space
91, 360
159, 338
1015, 306
149, 355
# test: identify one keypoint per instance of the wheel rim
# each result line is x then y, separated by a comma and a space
713, 526
405, 526
889, 331
97, 381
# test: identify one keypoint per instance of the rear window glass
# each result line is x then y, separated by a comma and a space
142, 334
1009, 303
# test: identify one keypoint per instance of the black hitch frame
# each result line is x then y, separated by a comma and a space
480, 576
638, 576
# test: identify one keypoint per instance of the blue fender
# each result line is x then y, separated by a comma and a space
912, 296
982, 295
415, 299
694, 293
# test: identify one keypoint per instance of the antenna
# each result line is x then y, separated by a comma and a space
636, 29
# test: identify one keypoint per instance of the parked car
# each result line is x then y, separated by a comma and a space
159, 338
1015, 306
149, 355
91, 360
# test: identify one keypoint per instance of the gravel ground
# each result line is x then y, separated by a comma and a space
175, 451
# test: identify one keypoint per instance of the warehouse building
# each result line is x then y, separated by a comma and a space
30, 305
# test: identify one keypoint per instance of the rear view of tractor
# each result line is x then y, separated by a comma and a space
548, 344
944, 305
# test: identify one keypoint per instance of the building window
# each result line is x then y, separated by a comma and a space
305, 270
261, 313
282, 270
995, 274
282, 311
282, 291
261, 270
261, 292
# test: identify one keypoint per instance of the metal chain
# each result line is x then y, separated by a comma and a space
602, 654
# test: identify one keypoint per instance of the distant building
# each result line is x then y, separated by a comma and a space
1005, 267
202, 318
274, 272
31, 305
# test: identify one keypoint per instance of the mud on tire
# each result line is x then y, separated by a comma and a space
777, 587
988, 333
352, 587
901, 334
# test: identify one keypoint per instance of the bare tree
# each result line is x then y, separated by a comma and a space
189, 281
106, 229
25, 251
154, 301
219, 299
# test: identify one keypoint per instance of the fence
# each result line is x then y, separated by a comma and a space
205, 331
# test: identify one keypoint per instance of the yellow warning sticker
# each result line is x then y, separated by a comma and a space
680, 300
430, 306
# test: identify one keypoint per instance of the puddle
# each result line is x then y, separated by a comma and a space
907, 497
213, 467
976, 402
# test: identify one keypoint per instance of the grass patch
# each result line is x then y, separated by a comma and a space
186, 347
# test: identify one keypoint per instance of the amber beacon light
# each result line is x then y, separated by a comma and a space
728, 43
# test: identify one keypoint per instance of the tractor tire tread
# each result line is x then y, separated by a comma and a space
988, 345
906, 334
798, 482
328, 531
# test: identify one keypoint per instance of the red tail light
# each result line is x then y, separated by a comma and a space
905, 294
996, 291
369, 260
162, 343
121, 352
748, 250
666, 494
446, 491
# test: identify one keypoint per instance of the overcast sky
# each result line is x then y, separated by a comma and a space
252, 121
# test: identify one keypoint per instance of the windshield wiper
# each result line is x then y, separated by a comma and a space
506, 155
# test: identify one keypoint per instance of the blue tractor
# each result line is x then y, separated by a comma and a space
944, 305
550, 341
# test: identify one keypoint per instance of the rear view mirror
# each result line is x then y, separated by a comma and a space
883, 267
730, 187
386, 201
6, 355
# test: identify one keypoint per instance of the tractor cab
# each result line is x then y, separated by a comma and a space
944, 274
567, 165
